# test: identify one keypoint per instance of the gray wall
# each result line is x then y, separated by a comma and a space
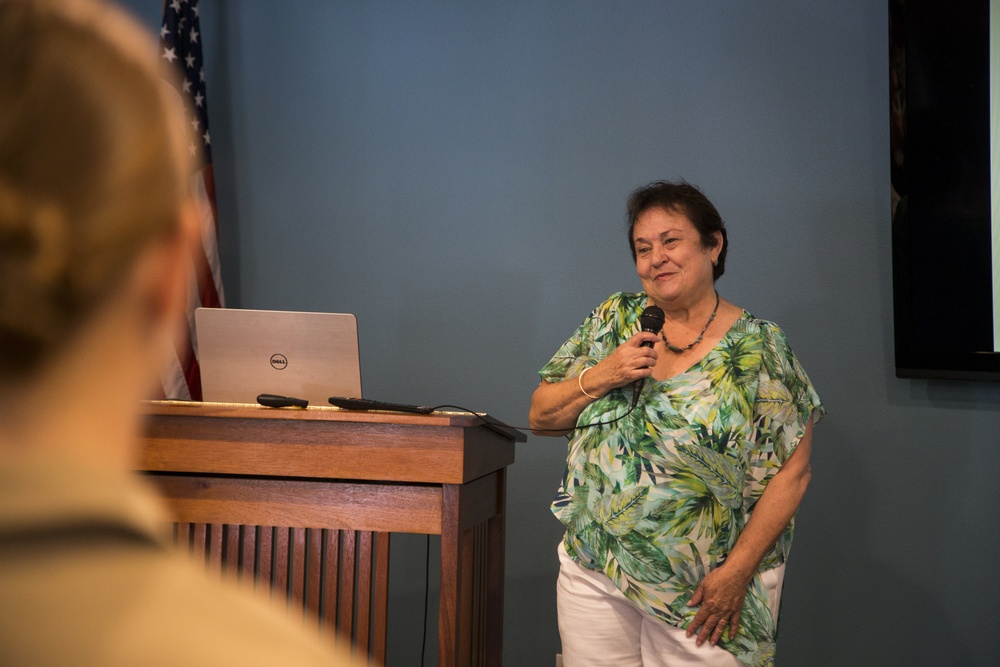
455, 174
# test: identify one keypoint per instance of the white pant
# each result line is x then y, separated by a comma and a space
600, 627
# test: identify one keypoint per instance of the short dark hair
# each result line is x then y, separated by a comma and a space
684, 198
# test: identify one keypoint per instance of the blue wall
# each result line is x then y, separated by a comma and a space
455, 174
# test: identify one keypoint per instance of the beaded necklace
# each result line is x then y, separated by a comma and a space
678, 350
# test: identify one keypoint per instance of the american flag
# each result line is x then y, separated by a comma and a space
180, 45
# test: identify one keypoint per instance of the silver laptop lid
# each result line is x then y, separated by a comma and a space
244, 353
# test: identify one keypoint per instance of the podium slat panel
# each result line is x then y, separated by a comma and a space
336, 578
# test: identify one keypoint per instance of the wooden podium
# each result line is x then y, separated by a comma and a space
305, 500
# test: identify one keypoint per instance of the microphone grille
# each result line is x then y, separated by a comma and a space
651, 319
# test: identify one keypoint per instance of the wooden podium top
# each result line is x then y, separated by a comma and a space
324, 443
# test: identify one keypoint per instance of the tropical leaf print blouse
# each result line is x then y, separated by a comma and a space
658, 499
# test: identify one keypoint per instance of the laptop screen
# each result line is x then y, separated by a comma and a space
245, 353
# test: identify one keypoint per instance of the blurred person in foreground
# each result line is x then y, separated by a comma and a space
678, 503
95, 233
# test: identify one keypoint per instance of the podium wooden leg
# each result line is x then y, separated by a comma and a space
449, 616
495, 545
470, 621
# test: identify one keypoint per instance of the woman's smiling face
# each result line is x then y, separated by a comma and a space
673, 265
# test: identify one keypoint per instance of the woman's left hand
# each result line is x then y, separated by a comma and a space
722, 591
720, 595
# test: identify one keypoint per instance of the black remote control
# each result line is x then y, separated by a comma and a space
368, 404
275, 401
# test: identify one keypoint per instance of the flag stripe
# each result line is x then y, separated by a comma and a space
207, 268
181, 46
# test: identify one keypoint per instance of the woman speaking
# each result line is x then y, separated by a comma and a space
688, 456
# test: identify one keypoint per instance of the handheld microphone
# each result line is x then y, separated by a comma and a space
651, 320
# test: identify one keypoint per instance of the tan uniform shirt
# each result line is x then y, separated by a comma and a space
87, 577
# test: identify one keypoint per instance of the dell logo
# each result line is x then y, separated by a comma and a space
279, 361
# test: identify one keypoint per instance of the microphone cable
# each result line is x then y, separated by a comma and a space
488, 423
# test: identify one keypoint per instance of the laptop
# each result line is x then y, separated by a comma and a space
244, 353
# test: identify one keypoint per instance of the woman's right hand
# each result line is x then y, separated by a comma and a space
555, 406
629, 362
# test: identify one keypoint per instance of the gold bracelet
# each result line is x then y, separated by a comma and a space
579, 382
